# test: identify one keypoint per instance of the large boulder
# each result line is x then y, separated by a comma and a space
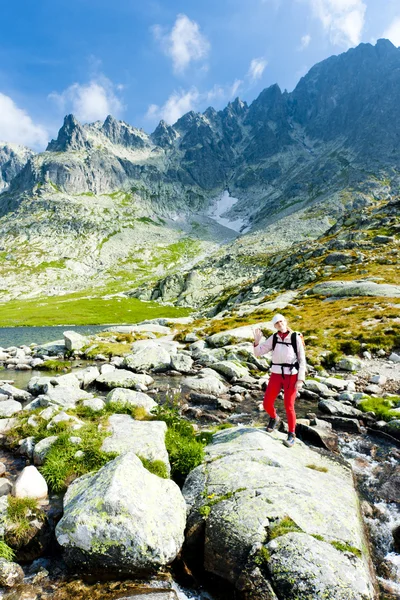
131, 398
146, 357
205, 384
230, 369
10, 573
42, 449
8, 408
145, 438
249, 486
336, 408
74, 341
356, 288
123, 520
237, 335
349, 364
303, 567
66, 396
124, 379
15, 393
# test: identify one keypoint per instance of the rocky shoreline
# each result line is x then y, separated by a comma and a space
126, 475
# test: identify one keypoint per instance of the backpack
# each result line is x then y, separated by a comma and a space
293, 341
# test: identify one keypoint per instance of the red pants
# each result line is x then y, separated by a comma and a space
275, 384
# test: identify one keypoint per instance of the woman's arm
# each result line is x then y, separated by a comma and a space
302, 359
261, 348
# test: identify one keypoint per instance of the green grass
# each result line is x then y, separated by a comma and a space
184, 450
77, 309
344, 547
317, 468
20, 513
54, 365
157, 467
285, 525
382, 407
61, 467
6, 552
262, 557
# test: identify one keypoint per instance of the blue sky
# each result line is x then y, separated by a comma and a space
146, 60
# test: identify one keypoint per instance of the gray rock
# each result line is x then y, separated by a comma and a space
333, 407
349, 364
96, 404
39, 385
393, 428
230, 369
394, 357
131, 398
356, 288
123, 519
15, 393
303, 567
30, 484
372, 388
5, 486
316, 386
7, 424
74, 341
237, 335
87, 376
148, 357
182, 363
8, 408
205, 385
253, 482
11, 573
378, 379
145, 438
49, 412
63, 417
321, 437
66, 397
109, 368
42, 449
26, 447
125, 379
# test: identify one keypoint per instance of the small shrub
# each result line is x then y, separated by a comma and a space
318, 537
351, 347
285, 525
317, 468
6, 552
157, 467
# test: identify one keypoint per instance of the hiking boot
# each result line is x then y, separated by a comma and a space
291, 438
273, 424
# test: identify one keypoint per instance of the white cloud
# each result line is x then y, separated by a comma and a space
342, 19
392, 33
177, 105
90, 102
305, 41
17, 126
256, 68
183, 101
184, 43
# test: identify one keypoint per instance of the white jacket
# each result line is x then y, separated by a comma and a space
284, 353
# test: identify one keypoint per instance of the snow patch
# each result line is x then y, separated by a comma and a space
222, 206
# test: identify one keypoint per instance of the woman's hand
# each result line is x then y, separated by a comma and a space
257, 336
298, 385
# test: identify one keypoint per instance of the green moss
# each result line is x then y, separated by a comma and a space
262, 557
344, 547
109, 349
285, 525
317, 468
205, 510
157, 467
54, 365
382, 407
318, 537
6, 552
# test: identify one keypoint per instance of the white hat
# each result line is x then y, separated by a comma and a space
277, 318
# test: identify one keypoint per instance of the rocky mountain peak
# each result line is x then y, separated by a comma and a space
71, 136
13, 158
164, 135
119, 132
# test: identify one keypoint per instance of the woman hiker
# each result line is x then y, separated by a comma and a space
287, 371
